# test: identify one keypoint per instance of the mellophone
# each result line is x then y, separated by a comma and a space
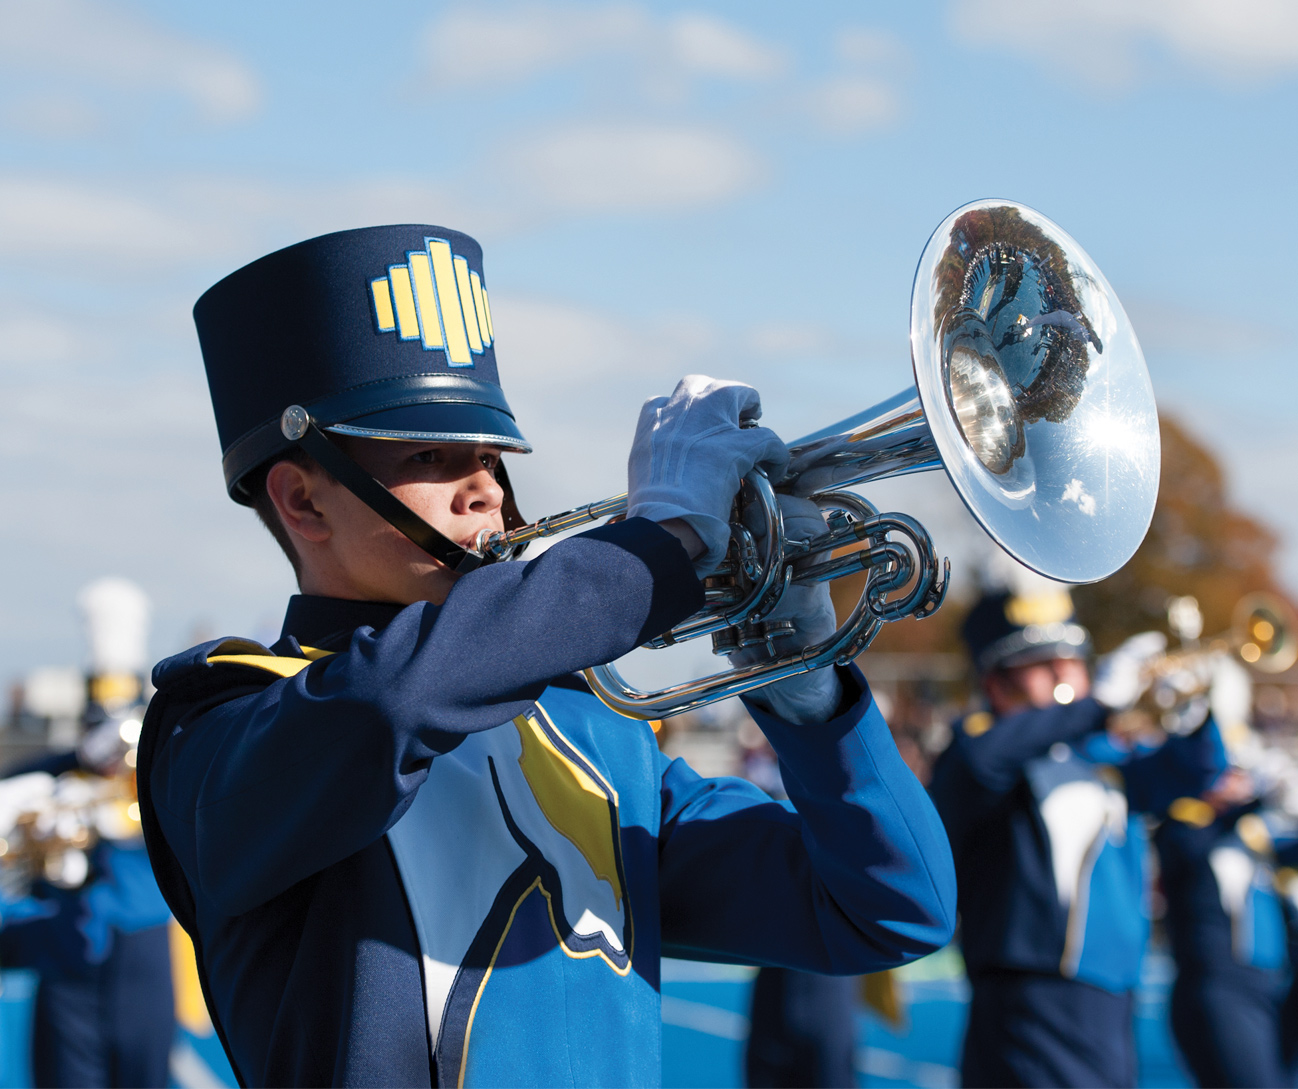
1030, 390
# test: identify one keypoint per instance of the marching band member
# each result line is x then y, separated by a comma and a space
1227, 929
1035, 793
87, 914
410, 846
1219, 854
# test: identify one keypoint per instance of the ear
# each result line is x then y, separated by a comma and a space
292, 488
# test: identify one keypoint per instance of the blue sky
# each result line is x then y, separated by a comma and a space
741, 189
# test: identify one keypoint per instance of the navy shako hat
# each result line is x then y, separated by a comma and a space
1005, 629
383, 332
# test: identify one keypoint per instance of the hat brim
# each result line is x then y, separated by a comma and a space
1052, 652
1035, 643
439, 421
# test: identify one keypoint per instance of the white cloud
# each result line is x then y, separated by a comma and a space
51, 219
851, 105
491, 46
862, 96
630, 53
631, 167
485, 47
560, 341
1104, 42
195, 221
96, 44
861, 45
191, 220
711, 46
553, 350
56, 114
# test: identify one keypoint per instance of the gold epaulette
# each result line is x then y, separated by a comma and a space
247, 653
1192, 811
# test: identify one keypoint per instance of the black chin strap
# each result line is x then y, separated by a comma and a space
298, 426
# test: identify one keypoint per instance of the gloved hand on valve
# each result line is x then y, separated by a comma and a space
690, 453
808, 697
1121, 677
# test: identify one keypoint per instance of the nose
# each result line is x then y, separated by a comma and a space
480, 492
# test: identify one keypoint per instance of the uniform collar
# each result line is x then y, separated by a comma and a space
328, 622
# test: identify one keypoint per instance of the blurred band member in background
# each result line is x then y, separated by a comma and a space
803, 1031
82, 907
1035, 793
1226, 860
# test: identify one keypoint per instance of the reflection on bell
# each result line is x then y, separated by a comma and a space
1064, 693
980, 394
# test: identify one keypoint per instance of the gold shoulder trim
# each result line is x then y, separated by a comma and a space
1192, 811
271, 663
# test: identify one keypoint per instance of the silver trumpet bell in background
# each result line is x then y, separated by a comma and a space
1030, 391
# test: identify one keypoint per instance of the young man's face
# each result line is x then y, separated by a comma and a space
347, 550
1038, 684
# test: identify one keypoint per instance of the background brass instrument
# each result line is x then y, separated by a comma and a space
50, 824
1263, 635
1030, 391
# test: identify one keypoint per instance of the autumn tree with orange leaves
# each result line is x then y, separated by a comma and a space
1198, 544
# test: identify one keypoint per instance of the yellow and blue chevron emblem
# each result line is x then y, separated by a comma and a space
437, 299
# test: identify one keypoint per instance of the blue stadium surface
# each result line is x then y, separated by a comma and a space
705, 1023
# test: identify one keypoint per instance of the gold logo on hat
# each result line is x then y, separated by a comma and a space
437, 299
1050, 607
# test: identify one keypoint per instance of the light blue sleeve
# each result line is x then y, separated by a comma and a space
854, 875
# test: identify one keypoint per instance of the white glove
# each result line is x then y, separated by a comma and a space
690, 454
21, 794
1120, 675
808, 697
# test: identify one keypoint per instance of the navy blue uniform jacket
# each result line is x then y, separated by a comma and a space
1050, 869
1245, 944
266, 802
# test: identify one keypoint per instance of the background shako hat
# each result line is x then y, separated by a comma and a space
381, 331
1006, 629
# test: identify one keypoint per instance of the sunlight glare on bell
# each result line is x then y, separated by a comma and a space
1064, 693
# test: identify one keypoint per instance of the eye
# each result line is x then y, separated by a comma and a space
491, 461
427, 457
